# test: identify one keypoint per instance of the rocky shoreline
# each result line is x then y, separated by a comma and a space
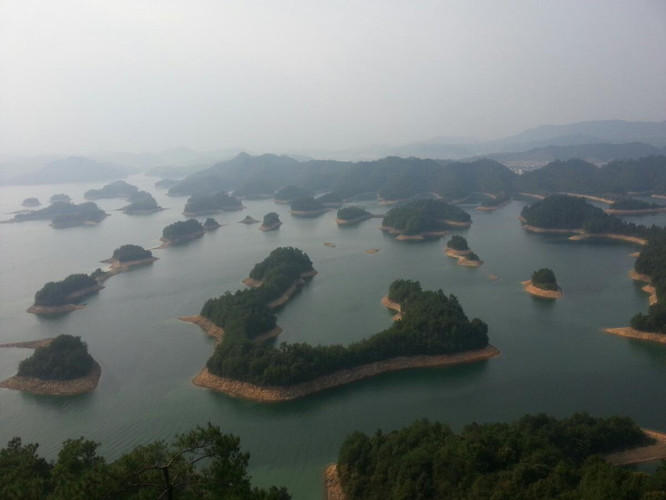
284, 298
55, 387
539, 292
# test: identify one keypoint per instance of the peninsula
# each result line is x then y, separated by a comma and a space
271, 222
65, 214
543, 284
60, 297
181, 232
630, 206
458, 248
61, 367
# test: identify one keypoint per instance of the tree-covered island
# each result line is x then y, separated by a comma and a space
181, 232
60, 197
351, 215
211, 224
141, 203
543, 284
116, 189
59, 297
214, 203
307, 207
433, 331
458, 248
63, 367
535, 458
123, 259
419, 219
271, 222
64, 214
31, 202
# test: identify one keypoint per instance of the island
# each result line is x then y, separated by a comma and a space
433, 331
141, 203
307, 207
214, 203
458, 248
116, 189
61, 197
248, 220
123, 259
350, 215
65, 214
631, 206
31, 202
495, 202
271, 222
211, 224
543, 284
60, 297
288, 194
428, 460
424, 218
181, 232
62, 367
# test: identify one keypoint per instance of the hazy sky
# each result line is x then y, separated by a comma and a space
144, 75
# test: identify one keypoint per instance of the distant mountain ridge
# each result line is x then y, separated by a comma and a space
73, 169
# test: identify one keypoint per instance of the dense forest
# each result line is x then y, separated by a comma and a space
292, 193
352, 212
652, 262
457, 242
203, 464
60, 197
208, 203
544, 278
31, 202
254, 188
127, 253
139, 202
270, 219
433, 323
65, 358
307, 204
182, 230
117, 189
633, 204
85, 213
420, 216
210, 224
63, 210
57, 293
536, 458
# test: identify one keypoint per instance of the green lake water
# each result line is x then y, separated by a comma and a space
554, 359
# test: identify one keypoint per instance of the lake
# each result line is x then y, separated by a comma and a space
555, 358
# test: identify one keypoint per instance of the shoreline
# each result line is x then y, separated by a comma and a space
167, 243
31, 344
308, 213
412, 237
393, 306
641, 454
349, 222
140, 212
214, 211
272, 227
117, 267
631, 333
274, 394
284, 298
72, 387
248, 220
648, 288
547, 230
212, 330
494, 207
590, 197
69, 306
461, 255
538, 292
332, 485
631, 239
642, 211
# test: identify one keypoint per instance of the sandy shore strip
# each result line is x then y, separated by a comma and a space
332, 485
532, 195
206, 325
461, 255
274, 394
272, 227
248, 220
308, 213
118, 267
329, 244
590, 197
31, 344
545, 230
371, 250
648, 288
347, 222
643, 211
393, 306
538, 292
493, 208
586, 236
55, 387
641, 454
631, 333
456, 223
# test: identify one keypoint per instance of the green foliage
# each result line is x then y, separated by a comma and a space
210, 223
65, 213
307, 204
472, 256
499, 199
271, 218
117, 189
60, 198
352, 213
652, 262
633, 204
291, 193
128, 253
544, 278
536, 458
559, 212
65, 358
402, 290
182, 229
141, 201
203, 203
334, 197
423, 215
457, 242
203, 464
57, 293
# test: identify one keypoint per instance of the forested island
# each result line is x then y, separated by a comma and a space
211, 224
62, 367
543, 284
125, 258
334, 199
271, 222
181, 232
60, 197
203, 463
59, 297
631, 206
433, 331
65, 214
351, 215
141, 203
535, 458
418, 219
116, 189
31, 202
458, 248
307, 207
204, 204
291, 193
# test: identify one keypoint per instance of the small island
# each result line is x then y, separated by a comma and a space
423, 218
64, 214
123, 259
141, 203
60, 297
62, 367
347, 216
181, 232
495, 202
543, 284
631, 206
214, 203
31, 202
248, 220
211, 224
116, 189
307, 207
61, 197
458, 248
271, 222
290, 193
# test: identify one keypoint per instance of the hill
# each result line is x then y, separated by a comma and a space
73, 169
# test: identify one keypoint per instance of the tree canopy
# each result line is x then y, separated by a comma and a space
419, 216
352, 212
206, 203
127, 253
57, 293
65, 358
116, 189
182, 229
544, 278
457, 242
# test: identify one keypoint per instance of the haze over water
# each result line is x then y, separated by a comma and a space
554, 357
